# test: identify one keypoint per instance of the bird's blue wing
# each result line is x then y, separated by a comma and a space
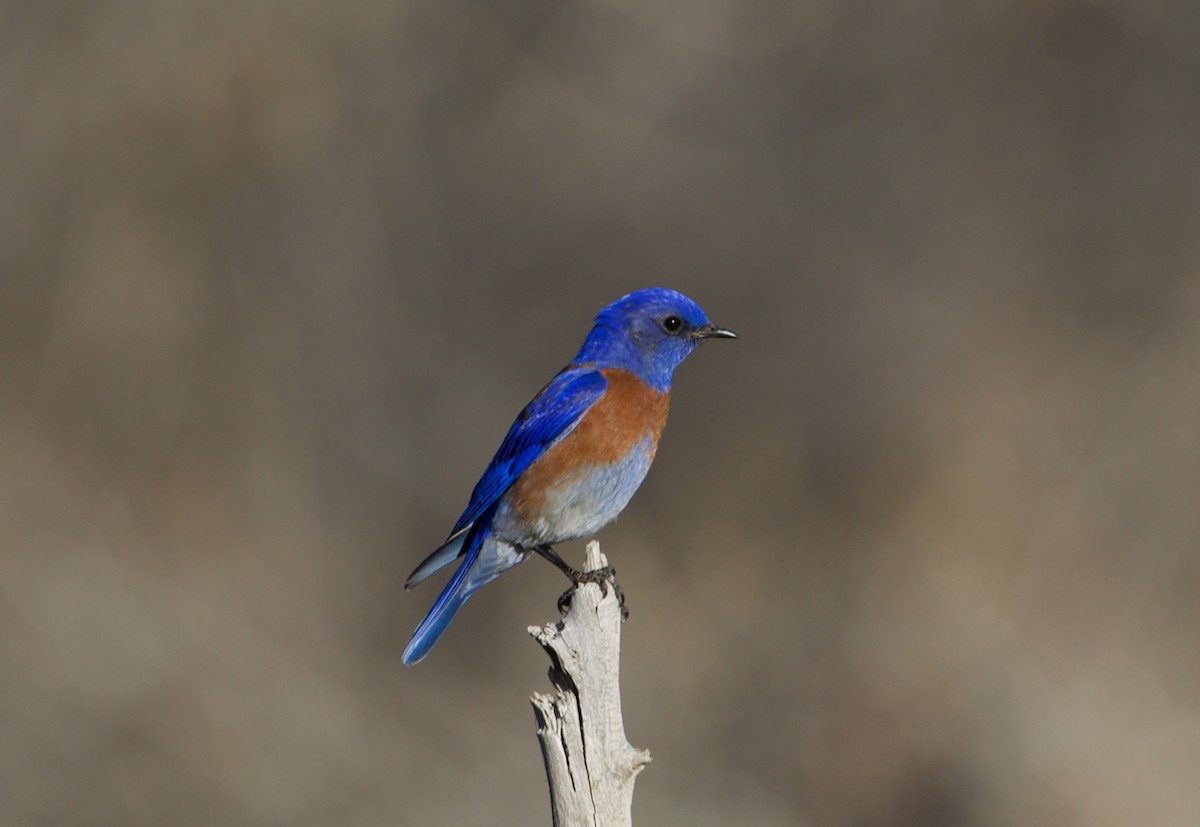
552, 414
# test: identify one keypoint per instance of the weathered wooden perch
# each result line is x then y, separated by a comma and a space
589, 765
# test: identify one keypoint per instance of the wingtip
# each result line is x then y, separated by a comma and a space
443, 556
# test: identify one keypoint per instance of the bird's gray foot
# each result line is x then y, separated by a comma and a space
604, 577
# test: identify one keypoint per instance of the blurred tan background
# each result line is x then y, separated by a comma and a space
920, 549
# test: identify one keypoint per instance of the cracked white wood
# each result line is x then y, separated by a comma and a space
589, 765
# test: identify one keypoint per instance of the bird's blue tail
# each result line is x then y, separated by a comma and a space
484, 558
444, 608
434, 625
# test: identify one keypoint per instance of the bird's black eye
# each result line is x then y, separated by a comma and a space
672, 324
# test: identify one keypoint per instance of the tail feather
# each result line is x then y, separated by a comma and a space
434, 626
484, 559
452, 598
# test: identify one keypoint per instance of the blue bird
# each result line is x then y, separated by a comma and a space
575, 456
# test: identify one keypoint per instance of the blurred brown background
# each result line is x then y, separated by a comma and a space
919, 549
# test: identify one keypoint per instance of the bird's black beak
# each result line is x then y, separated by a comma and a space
711, 331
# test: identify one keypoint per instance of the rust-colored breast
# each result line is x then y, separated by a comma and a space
629, 414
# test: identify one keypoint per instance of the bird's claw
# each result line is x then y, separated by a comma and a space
602, 577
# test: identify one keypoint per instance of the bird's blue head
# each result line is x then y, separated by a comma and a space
648, 333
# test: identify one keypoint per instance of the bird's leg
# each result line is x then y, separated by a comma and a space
550, 554
602, 576
576, 575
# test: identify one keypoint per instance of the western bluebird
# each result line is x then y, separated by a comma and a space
574, 457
